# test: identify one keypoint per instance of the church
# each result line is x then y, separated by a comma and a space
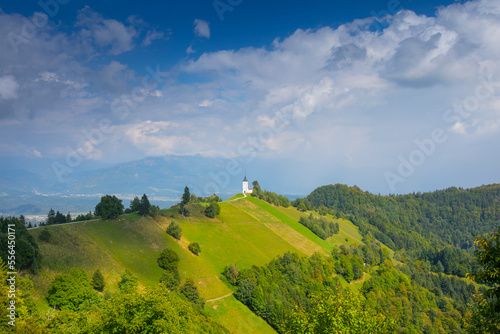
246, 189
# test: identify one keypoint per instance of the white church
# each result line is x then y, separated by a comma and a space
246, 189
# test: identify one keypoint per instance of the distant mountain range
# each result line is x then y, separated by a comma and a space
162, 178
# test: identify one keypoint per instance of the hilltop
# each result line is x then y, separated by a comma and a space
248, 232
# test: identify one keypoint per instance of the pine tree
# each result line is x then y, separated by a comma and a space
145, 206
186, 196
98, 281
51, 217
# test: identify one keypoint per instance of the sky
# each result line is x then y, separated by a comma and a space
391, 96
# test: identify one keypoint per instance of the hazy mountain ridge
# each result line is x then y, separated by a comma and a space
162, 178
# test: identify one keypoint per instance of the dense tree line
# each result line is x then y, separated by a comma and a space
417, 308
290, 285
272, 291
209, 199
436, 227
21, 247
57, 218
84, 217
342, 312
82, 310
454, 215
270, 197
322, 227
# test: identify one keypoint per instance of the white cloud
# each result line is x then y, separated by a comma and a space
201, 28
151, 36
205, 103
158, 138
35, 152
8, 87
459, 128
190, 50
108, 34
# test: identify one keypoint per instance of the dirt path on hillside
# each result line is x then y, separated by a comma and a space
219, 298
361, 280
82, 221
244, 195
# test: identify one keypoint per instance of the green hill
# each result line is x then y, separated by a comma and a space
247, 232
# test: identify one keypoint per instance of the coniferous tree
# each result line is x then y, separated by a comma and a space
51, 217
145, 206
186, 197
190, 291
135, 204
155, 210
98, 281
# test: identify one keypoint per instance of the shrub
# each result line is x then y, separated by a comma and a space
212, 210
231, 272
195, 248
174, 230
168, 259
45, 235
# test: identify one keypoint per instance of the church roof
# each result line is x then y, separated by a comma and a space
245, 179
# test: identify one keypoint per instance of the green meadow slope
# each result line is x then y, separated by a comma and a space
247, 232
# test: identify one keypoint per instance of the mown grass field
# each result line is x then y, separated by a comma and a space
247, 232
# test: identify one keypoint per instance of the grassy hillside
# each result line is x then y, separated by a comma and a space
247, 232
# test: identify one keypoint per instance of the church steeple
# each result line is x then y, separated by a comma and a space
246, 188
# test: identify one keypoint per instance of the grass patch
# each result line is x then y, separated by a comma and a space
242, 244
294, 224
236, 317
231, 214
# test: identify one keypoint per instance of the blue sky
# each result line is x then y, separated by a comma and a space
393, 96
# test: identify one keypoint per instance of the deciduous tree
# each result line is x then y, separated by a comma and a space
109, 207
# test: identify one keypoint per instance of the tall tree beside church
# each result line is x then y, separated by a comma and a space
145, 206
257, 192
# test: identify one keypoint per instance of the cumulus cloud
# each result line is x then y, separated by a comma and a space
160, 138
8, 87
108, 34
201, 28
